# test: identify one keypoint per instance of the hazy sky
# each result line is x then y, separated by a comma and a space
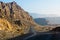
51, 7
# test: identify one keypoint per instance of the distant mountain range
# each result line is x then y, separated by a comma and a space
42, 19
48, 20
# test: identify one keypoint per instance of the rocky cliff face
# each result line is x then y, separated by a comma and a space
13, 11
14, 20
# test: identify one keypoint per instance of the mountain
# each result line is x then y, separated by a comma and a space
41, 21
51, 18
14, 20
48, 21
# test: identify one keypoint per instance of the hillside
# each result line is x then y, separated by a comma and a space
15, 21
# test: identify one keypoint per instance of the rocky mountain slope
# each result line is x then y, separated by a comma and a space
15, 21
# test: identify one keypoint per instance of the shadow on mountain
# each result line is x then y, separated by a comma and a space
57, 29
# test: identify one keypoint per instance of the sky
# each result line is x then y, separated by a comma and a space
45, 7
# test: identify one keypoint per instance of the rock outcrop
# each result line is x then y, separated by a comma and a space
14, 20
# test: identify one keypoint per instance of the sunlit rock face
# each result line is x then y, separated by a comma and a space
13, 11
14, 20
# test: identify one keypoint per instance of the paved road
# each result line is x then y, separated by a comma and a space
39, 36
44, 34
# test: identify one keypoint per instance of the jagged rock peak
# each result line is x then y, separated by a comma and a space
12, 9
11, 2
